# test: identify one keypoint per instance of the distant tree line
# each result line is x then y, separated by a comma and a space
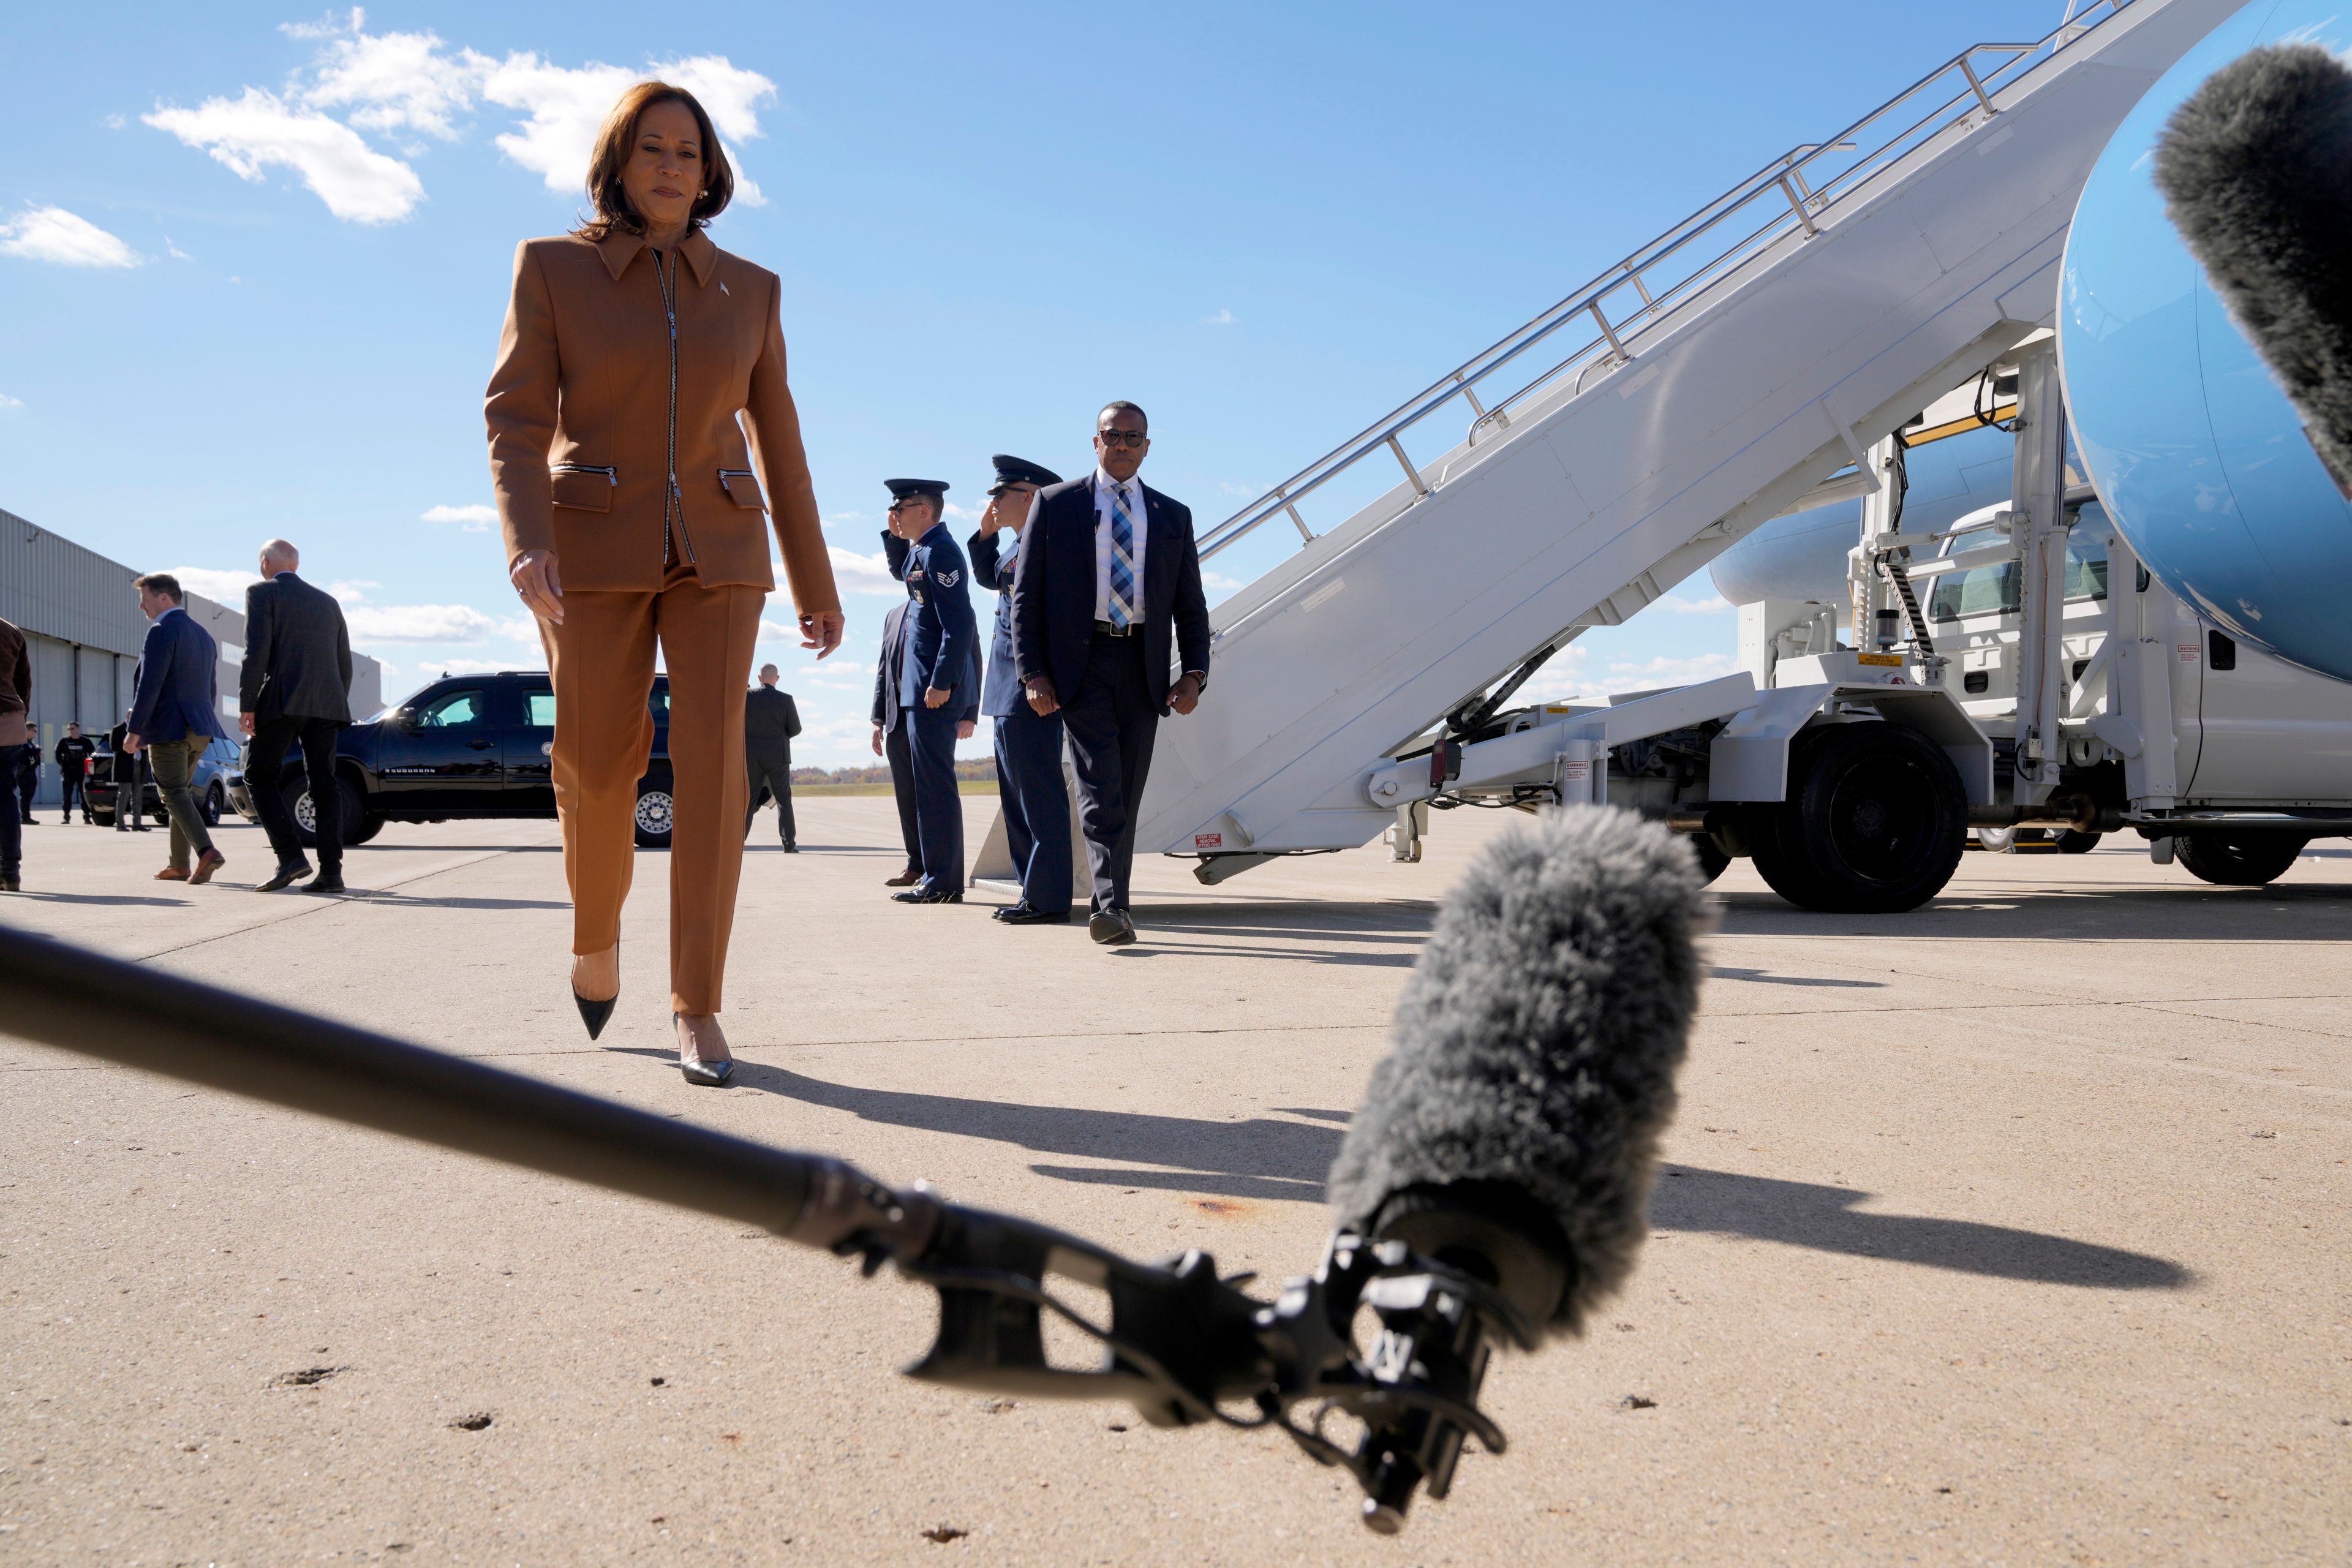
966, 768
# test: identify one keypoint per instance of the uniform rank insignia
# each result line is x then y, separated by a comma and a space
947, 579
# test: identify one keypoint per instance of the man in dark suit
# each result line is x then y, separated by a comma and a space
27, 782
943, 640
15, 702
295, 687
1030, 792
1108, 586
174, 718
73, 755
770, 720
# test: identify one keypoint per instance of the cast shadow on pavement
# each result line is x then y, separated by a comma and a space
2289, 912
1804, 1213
1258, 1158
103, 898
1766, 978
1286, 1160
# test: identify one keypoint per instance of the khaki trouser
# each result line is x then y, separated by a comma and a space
602, 662
174, 762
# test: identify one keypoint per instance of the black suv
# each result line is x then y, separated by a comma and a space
468, 746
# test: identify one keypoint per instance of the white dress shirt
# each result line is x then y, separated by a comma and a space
1133, 493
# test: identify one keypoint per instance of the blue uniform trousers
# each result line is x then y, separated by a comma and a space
1036, 808
1112, 722
939, 810
902, 788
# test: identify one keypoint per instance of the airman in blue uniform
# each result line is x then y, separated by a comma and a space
1031, 792
941, 637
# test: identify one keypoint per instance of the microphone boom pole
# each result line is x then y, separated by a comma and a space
1183, 1345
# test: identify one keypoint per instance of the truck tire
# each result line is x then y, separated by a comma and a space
1712, 860
297, 806
2074, 841
1875, 822
370, 826
2250, 861
653, 818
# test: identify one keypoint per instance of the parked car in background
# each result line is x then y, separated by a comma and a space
221, 761
464, 746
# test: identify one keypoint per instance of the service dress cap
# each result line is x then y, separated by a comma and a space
1012, 471
906, 489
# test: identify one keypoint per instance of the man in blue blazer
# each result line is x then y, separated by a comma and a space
1107, 587
941, 640
174, 717
1028, 743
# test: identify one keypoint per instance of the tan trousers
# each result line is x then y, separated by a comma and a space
602, 660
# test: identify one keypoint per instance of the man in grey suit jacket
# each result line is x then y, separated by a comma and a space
295, 687
770, 720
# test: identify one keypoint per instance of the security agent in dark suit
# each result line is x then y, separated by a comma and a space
941, 639
129, 789
295, 688
1107, 585
770, 720
1028, 743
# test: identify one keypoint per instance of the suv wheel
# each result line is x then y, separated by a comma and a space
215, 802
2249, 861
653, 818
1875, 822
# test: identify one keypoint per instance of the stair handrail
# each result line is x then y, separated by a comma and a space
1801, 204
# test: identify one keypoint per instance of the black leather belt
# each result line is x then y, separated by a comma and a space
1105, 629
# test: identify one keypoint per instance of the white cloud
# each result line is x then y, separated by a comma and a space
8, 402
477, 518
1217, 582
565, 105
221, 587
466, 666
352, 593
53, 234
856, 573
1713, 604
396, 81
1222, 319
419, 623
175, 252
250, 133
114, 122
957, 513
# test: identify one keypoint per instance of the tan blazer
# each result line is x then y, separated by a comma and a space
588, 421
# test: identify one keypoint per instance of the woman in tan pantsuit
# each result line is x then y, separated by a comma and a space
636, 514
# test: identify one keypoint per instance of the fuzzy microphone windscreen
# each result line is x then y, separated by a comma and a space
2256, 171
1537, 1040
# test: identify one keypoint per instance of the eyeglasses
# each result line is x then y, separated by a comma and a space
1121, 437
898, 506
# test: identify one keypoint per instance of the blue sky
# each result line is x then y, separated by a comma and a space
253, 258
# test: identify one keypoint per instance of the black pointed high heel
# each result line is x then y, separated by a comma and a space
595, 1014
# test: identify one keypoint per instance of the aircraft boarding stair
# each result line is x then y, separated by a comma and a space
1733, 365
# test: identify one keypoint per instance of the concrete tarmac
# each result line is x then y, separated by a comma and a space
2010, 1231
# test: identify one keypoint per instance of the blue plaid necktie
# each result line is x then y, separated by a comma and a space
1122, 561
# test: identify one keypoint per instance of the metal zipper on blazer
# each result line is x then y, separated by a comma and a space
675, 505
612, 474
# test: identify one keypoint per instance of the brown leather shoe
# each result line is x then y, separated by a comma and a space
171, 874
210, 862
906, 878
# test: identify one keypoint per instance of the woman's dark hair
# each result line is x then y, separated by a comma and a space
617, 141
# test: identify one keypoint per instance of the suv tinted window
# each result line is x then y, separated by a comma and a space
453, 710
539, 709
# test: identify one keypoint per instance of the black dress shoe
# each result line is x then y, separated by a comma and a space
325, 882
791, 847
926, 894
1022, 915
1111, 927
283, 877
